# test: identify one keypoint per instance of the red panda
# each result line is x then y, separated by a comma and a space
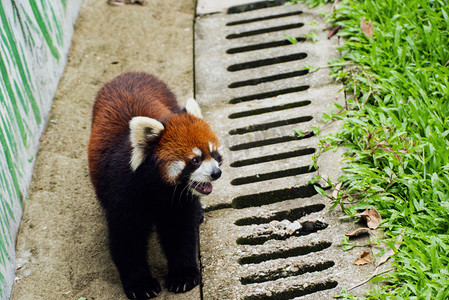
150, 160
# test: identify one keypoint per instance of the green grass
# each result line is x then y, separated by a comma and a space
396, 130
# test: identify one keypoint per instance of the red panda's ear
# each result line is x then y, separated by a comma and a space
193, 108
142, 131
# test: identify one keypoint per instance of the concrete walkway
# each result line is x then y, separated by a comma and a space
268, 234
62, 244
265, 234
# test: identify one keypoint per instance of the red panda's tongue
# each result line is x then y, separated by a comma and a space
203, 187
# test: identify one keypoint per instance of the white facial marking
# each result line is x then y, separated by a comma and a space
211, 147
202, 174
175, 169
197, 151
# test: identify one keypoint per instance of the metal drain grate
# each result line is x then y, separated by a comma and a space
267, 233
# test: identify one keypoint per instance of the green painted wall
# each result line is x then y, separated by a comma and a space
35, 38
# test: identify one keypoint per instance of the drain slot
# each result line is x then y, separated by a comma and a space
269, 94
278, 239
266, 126
265, 110
274, 157
260, 80
287, 272
217, 207
253, 6
298, 251
271, 17
272, 141
267, 62
272, 175
291, 215
264, 30
262, 46
296, 292
270, 197
307, 227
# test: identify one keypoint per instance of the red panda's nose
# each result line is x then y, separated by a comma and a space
216, 173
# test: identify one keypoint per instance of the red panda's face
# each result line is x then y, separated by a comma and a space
186, 149
189, 153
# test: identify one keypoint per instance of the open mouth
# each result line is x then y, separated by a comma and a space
204, 188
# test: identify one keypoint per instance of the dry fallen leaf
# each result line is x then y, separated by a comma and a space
367, 29
390, 251
371, 216
358, 231
336, 190
333, 31
364, 259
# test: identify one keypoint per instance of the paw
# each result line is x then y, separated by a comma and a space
183, 281
143, 289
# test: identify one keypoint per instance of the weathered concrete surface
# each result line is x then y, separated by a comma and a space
62, 247
213, 79
209, 7
267, 232
62, 244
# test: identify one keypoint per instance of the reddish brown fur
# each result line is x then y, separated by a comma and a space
139, 94
183, 133
137, 200
117, 102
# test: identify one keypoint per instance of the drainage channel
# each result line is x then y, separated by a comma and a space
267, 233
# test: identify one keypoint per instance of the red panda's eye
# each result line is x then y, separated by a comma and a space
195, 160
